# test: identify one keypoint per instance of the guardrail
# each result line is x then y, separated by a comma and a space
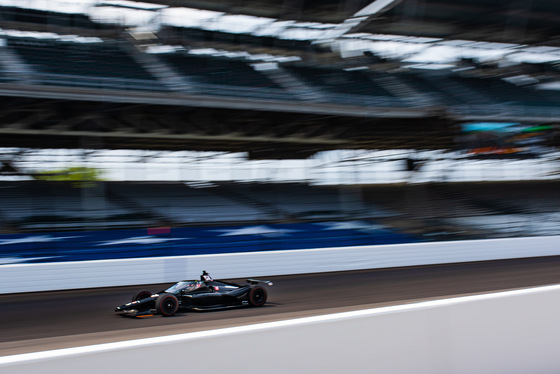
499, 111
106, 273
97, 82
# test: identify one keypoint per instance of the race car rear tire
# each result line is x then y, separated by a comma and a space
257, 296
141, 295
167, 305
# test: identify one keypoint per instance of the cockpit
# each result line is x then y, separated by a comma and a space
185, 286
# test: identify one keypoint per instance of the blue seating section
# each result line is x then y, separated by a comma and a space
115, 244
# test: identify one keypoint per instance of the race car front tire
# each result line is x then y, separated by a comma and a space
167, 305
141, 295
257, 296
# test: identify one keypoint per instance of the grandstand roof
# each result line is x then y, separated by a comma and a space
522, 21
525, 21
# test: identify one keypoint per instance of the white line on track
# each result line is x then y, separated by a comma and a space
19, 358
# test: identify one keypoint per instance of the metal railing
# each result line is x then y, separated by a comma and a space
69, 80
542, 110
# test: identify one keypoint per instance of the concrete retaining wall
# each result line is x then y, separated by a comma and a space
105, 273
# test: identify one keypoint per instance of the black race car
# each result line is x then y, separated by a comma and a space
203, 294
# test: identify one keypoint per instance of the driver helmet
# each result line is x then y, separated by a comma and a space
205, 276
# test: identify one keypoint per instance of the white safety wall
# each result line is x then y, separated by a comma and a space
104, 273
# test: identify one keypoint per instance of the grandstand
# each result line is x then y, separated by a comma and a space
277, 82
119, 64
54, 206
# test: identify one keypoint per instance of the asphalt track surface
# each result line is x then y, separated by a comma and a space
49, 320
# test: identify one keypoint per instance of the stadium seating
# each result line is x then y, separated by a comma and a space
203, 69
452, 90
52, 206
82, 64
337, 80
110, 65
179, 204
30, 206
301, 202
60, 221
52, 19
120, 220
349, 87
472, 210
223, 76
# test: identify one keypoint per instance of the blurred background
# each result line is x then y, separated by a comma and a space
176, 127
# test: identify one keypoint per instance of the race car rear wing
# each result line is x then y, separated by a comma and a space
256, 281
